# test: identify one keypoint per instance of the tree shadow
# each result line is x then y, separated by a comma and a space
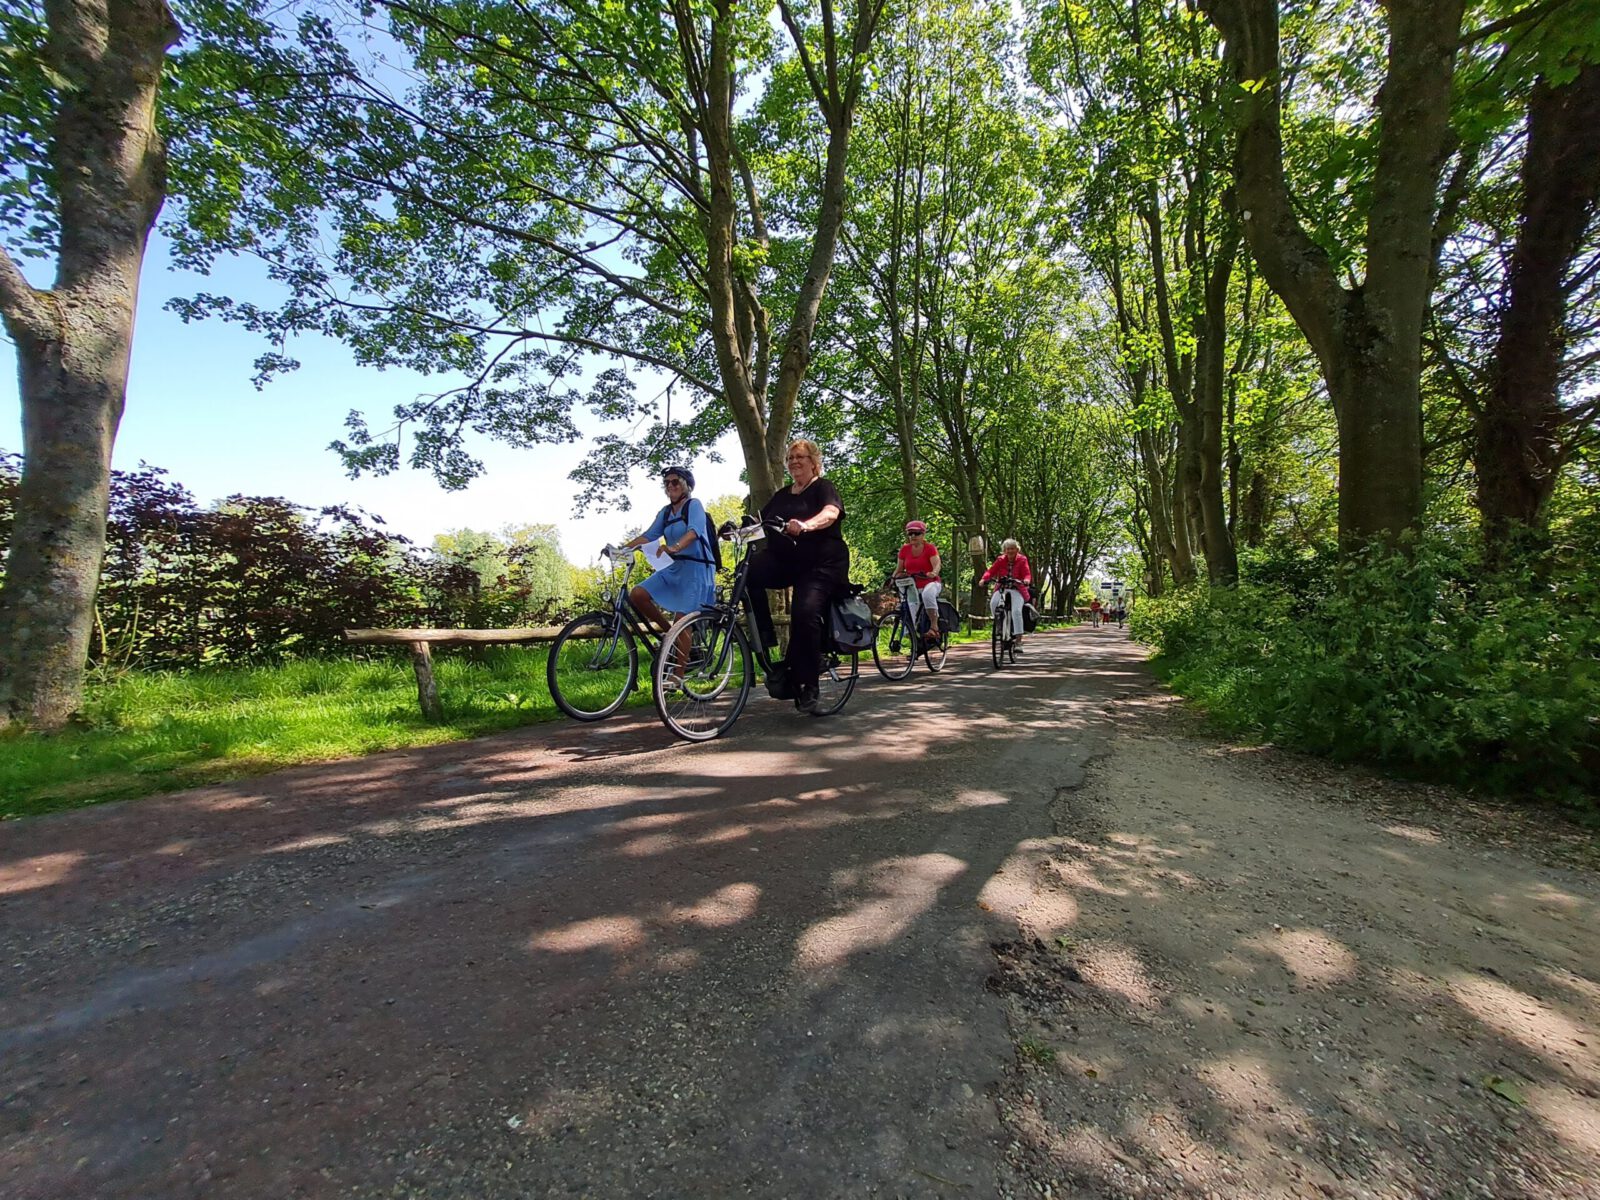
581, 960
1227, 998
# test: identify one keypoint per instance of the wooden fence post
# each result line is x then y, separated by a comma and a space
427, 689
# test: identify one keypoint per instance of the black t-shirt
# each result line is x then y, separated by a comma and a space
823, 545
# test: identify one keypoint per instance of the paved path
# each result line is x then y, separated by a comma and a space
575, 960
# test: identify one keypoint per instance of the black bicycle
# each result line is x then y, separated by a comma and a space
707, 664
594, 661
1003, 638
899, 639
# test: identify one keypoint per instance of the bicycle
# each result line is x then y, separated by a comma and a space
594, 661
1003, 638
700, 693
895, 649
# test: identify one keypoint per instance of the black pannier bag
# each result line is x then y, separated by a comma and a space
850, 624
1030, 617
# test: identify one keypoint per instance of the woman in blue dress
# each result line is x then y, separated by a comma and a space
689, 581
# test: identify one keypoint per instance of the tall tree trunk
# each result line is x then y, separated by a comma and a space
1519, 444
1253, 515
1164, 515
762, 419
1222, 562
1368, 340
73, 343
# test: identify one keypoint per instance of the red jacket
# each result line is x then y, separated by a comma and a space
1017, 568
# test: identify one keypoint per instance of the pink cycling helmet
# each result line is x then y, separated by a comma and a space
916, 527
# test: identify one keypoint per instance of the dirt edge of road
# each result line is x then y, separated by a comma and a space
1241, 971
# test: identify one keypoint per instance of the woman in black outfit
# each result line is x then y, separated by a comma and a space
816, 563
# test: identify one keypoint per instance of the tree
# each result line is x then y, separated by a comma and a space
80, 130
1522, 436
1368, 335
1136, 86
521, 565
564, 183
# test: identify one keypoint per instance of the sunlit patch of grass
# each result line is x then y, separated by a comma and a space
149, 732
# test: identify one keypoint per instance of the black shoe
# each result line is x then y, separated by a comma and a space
805, 697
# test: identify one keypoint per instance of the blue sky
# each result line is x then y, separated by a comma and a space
193, 410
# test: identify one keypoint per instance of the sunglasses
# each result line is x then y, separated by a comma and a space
670, 480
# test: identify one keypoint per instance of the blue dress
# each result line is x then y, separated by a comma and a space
688, 582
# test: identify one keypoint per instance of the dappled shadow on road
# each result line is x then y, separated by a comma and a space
586, 959
1238, 989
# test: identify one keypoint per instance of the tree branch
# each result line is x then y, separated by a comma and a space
24, 307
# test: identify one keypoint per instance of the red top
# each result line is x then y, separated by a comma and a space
919, 566
1015, 566
1094, 605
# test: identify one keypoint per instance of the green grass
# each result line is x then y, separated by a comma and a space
153, 732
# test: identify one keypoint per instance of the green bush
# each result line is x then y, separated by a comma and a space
1428, 664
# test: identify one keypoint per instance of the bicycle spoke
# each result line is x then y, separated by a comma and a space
702, 675
836, 682
893, 651
592, 666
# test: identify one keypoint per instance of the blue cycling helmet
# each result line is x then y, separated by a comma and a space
683, 473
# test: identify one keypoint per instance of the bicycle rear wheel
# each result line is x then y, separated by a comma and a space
699, 695
836, 681
934, 652
997, 640
593, 665
894, 650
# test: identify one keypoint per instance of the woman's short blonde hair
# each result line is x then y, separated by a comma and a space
813, 451
1011, 544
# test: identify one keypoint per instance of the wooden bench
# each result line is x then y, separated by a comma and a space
421, 642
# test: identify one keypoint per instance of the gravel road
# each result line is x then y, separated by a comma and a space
1021, 933
584, 960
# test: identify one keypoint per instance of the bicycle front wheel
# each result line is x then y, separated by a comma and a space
836, 681
997, 640
592, 667
894, 650
702, 675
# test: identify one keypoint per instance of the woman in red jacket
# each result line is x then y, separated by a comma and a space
1012, 562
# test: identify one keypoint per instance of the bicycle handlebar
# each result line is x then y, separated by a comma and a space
753, 530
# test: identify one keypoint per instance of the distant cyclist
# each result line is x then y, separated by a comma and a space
918, 560
1013, 563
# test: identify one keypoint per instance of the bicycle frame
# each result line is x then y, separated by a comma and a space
1003, 643
906, 585
737, 604
614, 595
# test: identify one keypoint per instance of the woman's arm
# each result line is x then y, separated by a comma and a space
828, 514
654, 530
694, 516
933, 567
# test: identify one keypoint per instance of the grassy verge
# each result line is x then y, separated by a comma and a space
158, 732
151, 732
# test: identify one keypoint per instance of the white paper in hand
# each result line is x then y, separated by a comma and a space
655, 553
